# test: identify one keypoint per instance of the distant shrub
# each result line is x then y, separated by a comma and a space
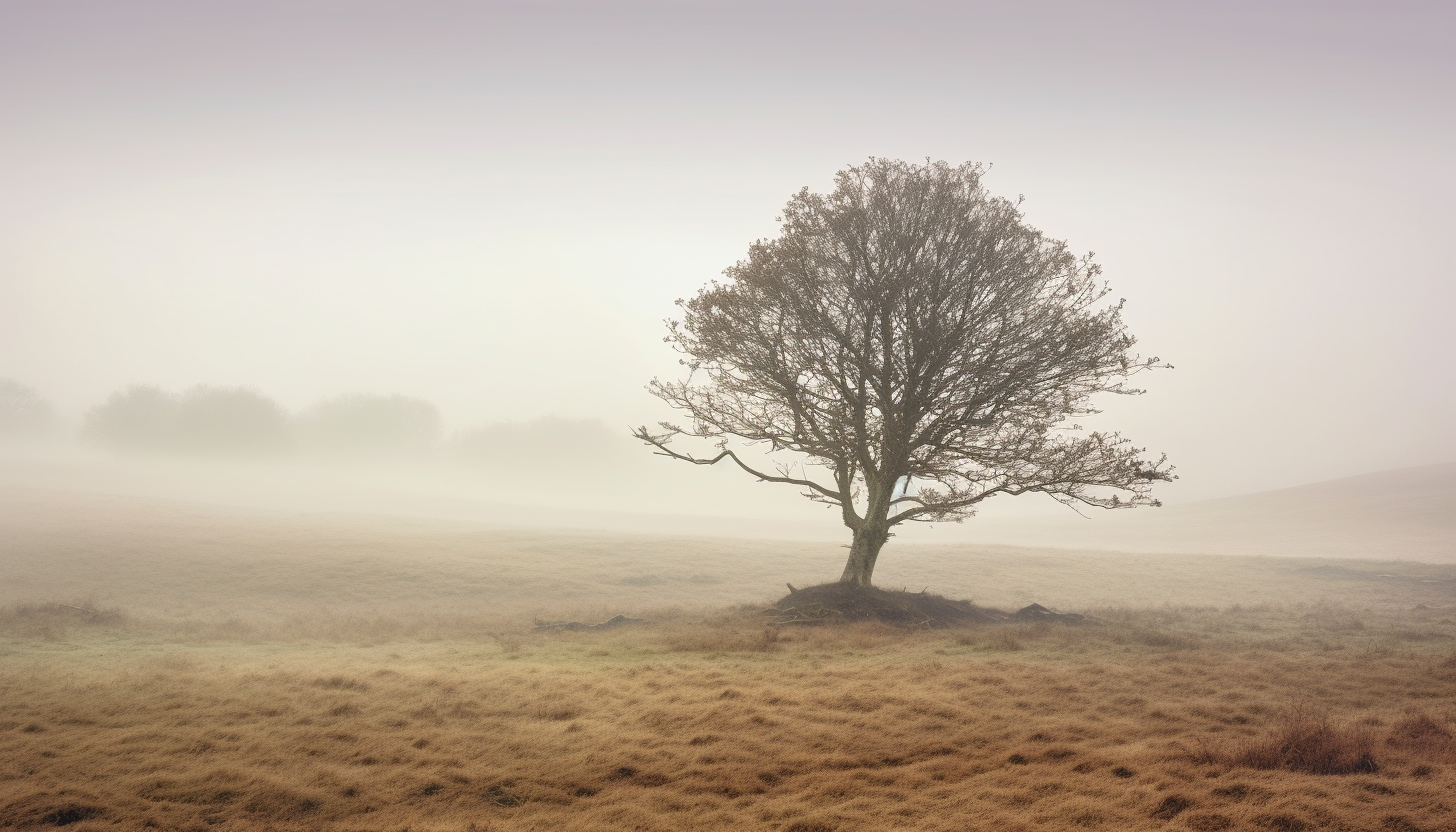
363, 425
23, 413
140, 418
208, 420
231, 420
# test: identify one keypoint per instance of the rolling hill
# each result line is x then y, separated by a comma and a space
1406, 513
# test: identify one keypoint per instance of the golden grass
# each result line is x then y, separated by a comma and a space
1149, 720
1309, 740
419, 697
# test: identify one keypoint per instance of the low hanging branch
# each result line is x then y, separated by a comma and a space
913, 337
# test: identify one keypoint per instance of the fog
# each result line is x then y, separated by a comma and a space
490, 210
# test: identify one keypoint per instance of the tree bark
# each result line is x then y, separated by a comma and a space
863, 552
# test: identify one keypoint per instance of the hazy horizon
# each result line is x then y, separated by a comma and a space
493, 208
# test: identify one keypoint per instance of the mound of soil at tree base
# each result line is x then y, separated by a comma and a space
843, 603
578, 627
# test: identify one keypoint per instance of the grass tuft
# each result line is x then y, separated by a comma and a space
1421, 733
1307, 740
1171, 807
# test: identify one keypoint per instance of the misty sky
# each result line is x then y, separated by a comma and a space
493, 206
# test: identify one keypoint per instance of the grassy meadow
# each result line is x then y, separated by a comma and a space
175, 666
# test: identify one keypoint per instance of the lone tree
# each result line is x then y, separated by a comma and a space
920, 347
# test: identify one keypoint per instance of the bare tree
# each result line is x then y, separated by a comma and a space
920, 347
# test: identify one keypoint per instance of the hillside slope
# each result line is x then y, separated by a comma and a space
1407, 513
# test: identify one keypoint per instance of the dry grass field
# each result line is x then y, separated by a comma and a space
172, 666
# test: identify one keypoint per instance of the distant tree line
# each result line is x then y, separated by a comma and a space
240, 421
211, 420
23, 413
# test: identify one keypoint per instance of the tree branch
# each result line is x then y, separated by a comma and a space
661, 443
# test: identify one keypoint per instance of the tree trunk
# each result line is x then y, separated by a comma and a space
868, 540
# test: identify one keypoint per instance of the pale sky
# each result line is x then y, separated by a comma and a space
493, 206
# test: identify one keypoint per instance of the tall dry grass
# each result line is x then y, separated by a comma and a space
1308, 739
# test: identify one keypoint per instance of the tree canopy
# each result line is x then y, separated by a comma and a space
205, 419
919, 347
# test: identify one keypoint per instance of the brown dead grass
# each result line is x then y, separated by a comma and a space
712, 720
1424, 734
1307, 739
200, 672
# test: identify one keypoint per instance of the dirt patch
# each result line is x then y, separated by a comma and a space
847, 603
578, 627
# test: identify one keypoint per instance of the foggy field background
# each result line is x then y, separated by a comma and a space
181, 561
389, 454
